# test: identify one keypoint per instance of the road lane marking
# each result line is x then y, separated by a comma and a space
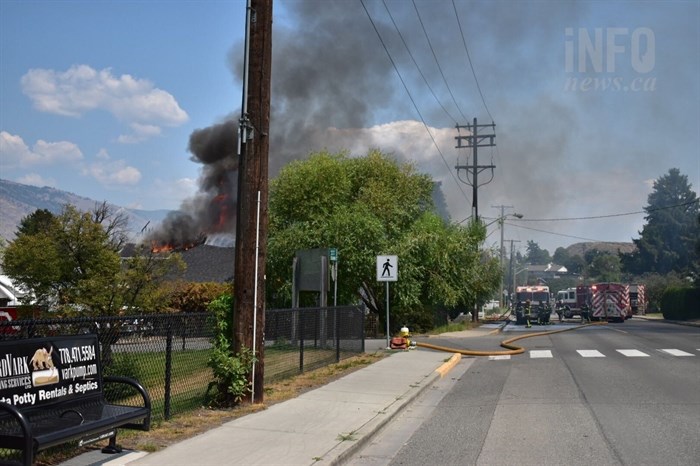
499, 357
676, 352
590, 353
632, 353
534, 354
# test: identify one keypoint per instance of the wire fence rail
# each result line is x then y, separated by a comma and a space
169, 353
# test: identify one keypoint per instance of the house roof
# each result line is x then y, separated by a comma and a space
209, 264
547, 268
204, 263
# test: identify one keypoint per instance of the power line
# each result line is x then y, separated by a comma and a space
557, 234
437, 62
412, 100
609, 215
464, 41
416, 63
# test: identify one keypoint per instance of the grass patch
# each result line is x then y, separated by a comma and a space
452, 327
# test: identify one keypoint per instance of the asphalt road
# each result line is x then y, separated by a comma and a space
619, 394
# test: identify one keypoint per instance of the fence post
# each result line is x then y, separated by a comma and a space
337, 334
362, 326
168, 367
301, 341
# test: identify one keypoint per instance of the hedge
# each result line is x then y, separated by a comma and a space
681, 303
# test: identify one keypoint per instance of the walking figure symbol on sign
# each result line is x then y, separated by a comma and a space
387, 268
385, 271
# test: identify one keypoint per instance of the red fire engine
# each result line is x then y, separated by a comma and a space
610, 301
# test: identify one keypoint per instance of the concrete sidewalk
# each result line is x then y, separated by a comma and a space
320, 427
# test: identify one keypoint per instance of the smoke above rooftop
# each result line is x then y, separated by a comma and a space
334, 88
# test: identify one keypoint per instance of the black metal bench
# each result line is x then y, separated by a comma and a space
52, 392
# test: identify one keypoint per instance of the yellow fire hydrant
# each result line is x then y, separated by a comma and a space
406, 334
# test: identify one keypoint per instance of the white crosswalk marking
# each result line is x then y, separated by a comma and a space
632, 353
676, 352
590, 353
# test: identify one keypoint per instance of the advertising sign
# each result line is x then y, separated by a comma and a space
41, 371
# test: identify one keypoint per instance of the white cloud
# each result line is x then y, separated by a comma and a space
141, 133
14, 152
110, 172
82, 88
36, 180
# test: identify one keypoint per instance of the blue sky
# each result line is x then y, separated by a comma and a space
100, 98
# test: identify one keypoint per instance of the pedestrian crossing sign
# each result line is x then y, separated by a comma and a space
387, 268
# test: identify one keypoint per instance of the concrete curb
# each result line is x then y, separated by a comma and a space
447, 367
346, 449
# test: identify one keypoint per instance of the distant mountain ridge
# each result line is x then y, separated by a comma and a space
18, 200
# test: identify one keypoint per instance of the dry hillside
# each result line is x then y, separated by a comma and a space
580, 249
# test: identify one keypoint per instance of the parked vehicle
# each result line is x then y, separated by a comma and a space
571, 301
638, 301
610, 301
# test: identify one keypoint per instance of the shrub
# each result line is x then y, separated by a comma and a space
230, 370
681, 303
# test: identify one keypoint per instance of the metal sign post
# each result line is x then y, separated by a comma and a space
387, 271
333, 257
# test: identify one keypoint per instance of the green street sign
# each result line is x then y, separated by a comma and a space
333, 254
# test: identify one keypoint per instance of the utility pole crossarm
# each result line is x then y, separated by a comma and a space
474, 141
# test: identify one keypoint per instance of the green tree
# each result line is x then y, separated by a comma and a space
561, 256
365, 207
536, 255
72, 262
667, 241
36, 222
605, 267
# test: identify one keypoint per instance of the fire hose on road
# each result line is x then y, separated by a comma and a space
510, 348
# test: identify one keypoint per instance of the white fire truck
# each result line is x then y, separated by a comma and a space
571, 300
534, 294
610, 301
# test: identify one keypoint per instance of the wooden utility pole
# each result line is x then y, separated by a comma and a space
501, 219
474, 141
252, 218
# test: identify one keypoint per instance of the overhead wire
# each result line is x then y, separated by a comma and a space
553, 233
437, 62
415, 106
673, 206
425, 80
471, 65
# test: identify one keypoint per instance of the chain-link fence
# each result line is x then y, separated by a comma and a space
303, 339
168, 353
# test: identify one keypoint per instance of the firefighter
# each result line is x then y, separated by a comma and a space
585, 313
540, 313
527, 314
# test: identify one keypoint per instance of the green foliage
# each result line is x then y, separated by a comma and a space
196, 297
668, 240
656, 285
38, 221
681, 303
71, 262
230, 370
368, 206
536, 255
605, 267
